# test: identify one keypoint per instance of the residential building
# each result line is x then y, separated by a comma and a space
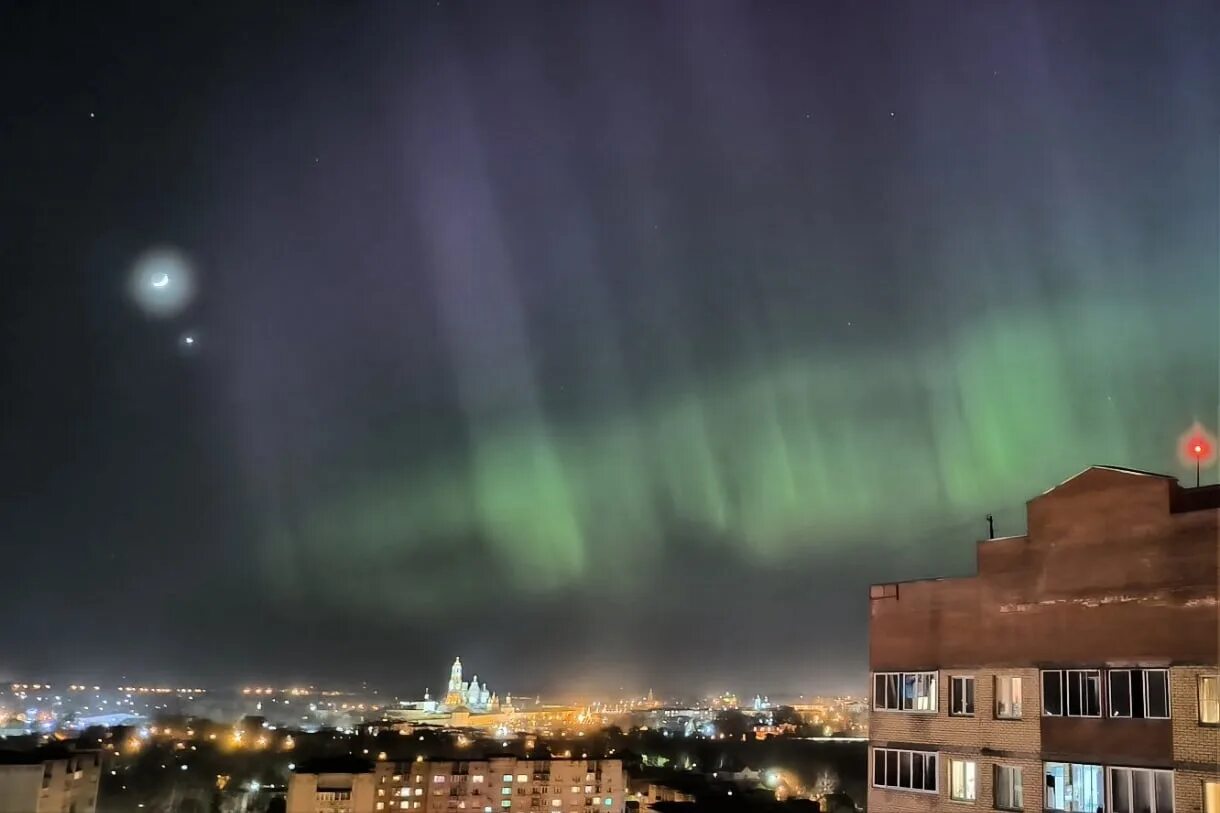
500, 784
49, 780
1077, 671
338, 785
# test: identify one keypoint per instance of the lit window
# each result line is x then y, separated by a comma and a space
1009, 793
381, 805
1135, 790
609, 802
1209, 699
462, 805
403, 805
419, 791
403, 792
508, 777
418, 778
904, 691
597, 800
477, 778
1211, 796
1139, 693
575, 789
904, 770
522, 777
381, 791
397, 777
1071, 787
961, 696
1008, 697
588, 788
556, 802
505, 791
961, 780
506, 803
1071, 693
438, 779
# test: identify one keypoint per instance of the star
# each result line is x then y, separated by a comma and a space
891, 114
91, 115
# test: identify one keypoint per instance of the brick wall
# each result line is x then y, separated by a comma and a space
1106, 573
1194, 744
882, 800
1008, 742
1188, 790
967, 734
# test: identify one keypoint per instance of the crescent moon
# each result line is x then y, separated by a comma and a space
161, 280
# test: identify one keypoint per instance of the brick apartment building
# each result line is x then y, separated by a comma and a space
1077, 671
498, 784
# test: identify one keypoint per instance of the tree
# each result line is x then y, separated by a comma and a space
732, 723
786, 715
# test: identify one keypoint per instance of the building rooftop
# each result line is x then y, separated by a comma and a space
335, 765
36, 756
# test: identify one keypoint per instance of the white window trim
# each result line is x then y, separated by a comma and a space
973, 712
995, 700
1063, 692
1199, 698
1019, 772
1105, 790
1109, 795
1142, 671
967, 764
872, 765
935, 675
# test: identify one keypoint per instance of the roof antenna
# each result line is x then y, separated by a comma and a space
990, 527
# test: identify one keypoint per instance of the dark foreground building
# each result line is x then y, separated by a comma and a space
1077, 671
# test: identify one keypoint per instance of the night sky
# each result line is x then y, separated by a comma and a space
603, 344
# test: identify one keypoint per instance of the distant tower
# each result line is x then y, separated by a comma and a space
453, 695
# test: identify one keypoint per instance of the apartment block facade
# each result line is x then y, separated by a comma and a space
49, 780
1079, 670
503, 784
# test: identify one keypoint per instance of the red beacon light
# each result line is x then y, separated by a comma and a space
1198, 447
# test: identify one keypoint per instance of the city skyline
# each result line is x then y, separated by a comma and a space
603, 345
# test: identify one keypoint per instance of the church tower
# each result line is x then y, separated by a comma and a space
453, 694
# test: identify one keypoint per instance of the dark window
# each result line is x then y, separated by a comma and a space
905, 770
1071, 692
1120, 693
1156, 684
1052, 693
1139, 693
961, 702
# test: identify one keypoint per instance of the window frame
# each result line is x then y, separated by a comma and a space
1016, 781
970, 776
1065, 691
1206, 783
1068, 773
899, 688
1109, 796
966, 680
934, 756
1020, 704
1215, 679
1132, 674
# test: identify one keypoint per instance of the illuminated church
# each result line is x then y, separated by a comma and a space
469, 695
